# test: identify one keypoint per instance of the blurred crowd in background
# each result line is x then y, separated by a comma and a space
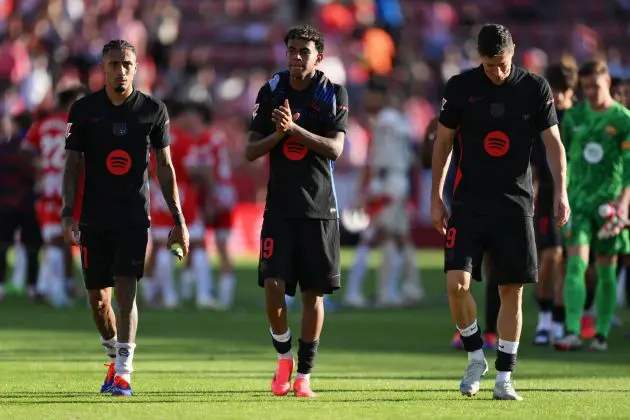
218, 53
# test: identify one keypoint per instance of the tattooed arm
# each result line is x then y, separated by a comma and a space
168, 183
69, 191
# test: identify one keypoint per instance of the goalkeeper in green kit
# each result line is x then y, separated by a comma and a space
596, 134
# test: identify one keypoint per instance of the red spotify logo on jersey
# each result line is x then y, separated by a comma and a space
118, 162
293, 149
496, 143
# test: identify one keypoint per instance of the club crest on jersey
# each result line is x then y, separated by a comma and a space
611, 131
119, 129
68, 128
593, 152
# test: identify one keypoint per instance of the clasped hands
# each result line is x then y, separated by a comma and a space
284, 119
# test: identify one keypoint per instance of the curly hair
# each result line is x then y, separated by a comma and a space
307, 32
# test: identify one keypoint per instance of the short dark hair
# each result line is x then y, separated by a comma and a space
562, 77
595, 67
307, 32
494, 40
118, 45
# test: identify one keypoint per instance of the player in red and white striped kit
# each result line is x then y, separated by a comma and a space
387, 190
218, 198
47, 139
182, 147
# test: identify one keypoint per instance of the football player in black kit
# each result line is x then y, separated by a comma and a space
562, 79
496, 110
113, 131
300, 119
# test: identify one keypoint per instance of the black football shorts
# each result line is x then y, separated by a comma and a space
304, 252
509, 240
106, 254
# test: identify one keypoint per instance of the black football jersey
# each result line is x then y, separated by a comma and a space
496, 127
301, 183
116, 142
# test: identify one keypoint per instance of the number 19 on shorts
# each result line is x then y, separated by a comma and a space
451, 233
266, 248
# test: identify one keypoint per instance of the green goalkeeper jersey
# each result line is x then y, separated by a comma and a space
598, 154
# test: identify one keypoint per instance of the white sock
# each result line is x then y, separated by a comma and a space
476, 355
203, 274
56, 270
503, 376
306, 376
187, 282
227, 286
558, 330
124, 360
43, 278
509, 347
147, 289
621, 287
110, 347
467, 332
410, 261
357, 273
388, 252
544, 321
283, 338
18, 279
163, 275
397, 262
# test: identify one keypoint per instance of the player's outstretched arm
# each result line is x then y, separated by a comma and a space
258, 145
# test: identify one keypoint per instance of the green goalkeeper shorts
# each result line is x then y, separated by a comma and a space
582, 229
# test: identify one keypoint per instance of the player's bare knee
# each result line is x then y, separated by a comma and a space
274, 286
458, 283
581, 251
100, 300
511, 296
126, 288
551, 256
606, 260
312, 300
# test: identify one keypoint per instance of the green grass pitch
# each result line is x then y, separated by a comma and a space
394, 364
